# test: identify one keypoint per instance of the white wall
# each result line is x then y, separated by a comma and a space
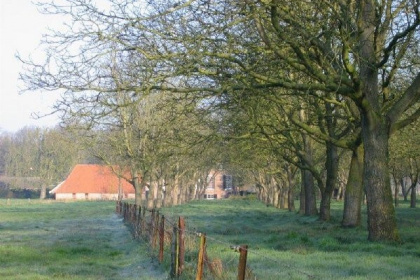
91, 196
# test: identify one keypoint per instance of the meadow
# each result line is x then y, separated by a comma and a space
86, 240
285, 245
74, 240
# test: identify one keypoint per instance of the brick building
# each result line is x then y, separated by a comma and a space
219, 185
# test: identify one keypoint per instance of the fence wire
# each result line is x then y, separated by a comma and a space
220, 262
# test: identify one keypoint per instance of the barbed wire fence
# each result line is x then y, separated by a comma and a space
188, 253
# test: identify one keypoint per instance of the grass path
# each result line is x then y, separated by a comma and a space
70, 241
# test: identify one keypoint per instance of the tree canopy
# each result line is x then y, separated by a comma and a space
299, 81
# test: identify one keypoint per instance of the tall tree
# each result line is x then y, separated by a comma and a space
347, 48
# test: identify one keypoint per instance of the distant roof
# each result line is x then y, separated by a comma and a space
93, 178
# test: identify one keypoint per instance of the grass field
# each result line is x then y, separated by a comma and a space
85, 240
77, 240
284, 245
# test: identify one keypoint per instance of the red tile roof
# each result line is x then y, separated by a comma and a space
92, 178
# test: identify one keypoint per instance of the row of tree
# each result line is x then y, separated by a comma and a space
280, 90
43, 155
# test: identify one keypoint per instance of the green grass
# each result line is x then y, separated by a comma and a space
285, 245
85, 240
77, 240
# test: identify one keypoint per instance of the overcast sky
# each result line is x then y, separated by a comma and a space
21, 27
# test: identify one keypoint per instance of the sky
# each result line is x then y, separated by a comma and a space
21, 29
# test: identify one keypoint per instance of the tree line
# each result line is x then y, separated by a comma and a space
313, 94
45, 156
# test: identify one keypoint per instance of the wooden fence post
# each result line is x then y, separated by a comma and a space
134, 214
243, 251
150, 227
155, 229
117, 207
201, 253
125, 211
143, 218
181, 244
174, 252
161, 238
138, 222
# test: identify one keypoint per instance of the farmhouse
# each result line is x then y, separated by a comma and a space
219, 185
93, 182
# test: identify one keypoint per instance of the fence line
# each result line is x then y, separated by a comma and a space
184, 251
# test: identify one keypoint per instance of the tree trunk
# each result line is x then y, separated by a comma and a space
396, 191
152, 195
404, 189
382, 224
414, 176
263, 193
308, 184
354, 189
43, 194
175, 192
184, 193
120, 190
138, 190
308, 179
276, 200
290, 200
375, 127
194, 192
413, 198
259, 194
284, 197
331, 182
167, 199
181, 193
325, 206
290, 189
302, 196
310, 199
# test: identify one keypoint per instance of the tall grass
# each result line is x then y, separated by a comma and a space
77, 240
285, 245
